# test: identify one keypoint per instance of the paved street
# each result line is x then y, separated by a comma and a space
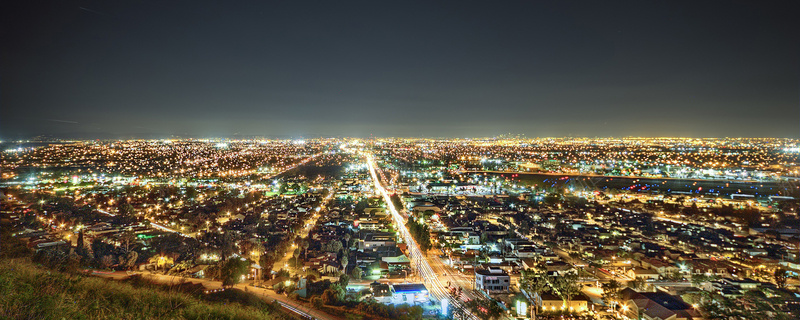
454, 277
436, 287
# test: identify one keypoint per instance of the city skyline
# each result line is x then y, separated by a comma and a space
121, 70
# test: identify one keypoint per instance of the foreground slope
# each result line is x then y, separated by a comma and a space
31, 292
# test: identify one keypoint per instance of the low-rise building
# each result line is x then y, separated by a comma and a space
410, 293
492, 280
376, 240
656, 306
553, 303
647, 274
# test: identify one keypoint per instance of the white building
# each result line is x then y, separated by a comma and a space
410, 293
492, 280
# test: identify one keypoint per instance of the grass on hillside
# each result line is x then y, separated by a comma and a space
31, 292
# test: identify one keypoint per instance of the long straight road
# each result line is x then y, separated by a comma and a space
435, 286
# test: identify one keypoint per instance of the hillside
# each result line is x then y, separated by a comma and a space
32, 292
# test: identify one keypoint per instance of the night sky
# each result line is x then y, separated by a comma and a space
117, 69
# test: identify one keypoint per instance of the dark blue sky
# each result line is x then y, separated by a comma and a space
395, 68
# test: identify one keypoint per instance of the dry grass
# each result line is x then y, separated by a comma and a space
31, 292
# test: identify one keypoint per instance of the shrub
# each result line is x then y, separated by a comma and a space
316, 301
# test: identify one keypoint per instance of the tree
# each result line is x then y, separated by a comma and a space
258, 248
612, 293
344, 280
317, 302
310, 277
420, 233
232, 271
180, 267
333, 246
245, 247
638, 284
328, 297
567, 286
398, 203
267, 260
305, 244
753, 304
340, 291
125, 209
282, 188
80, 244
131, 259
347, 237
344, 263
313, 274
485, 309
552, 198
107, 261
228, 244
127, 239
333, 295
534, 282
295, 255
780, 277
356, 274
191, 192
699, 279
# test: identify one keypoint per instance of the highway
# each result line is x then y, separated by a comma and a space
436, 288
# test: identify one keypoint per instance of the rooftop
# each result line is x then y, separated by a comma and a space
409, 287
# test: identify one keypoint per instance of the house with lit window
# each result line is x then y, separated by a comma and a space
554, 303
373, 241
492, 280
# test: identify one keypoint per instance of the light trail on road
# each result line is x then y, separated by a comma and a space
437, 289
295, 310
